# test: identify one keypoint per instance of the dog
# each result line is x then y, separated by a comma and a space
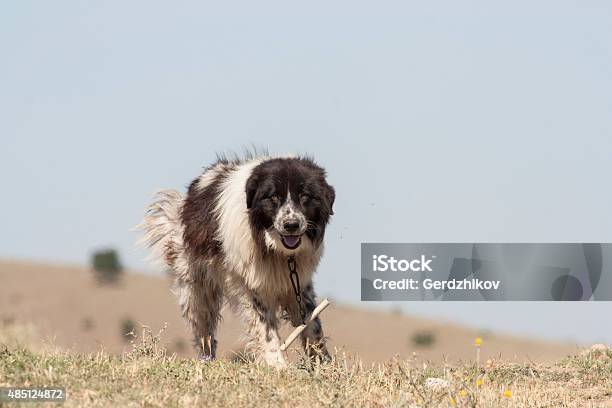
234, 236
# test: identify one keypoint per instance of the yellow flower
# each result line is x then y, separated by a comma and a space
452, 401
508, 394
479, 382
462, 393
477, 341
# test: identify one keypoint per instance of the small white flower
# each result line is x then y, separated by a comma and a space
437, 383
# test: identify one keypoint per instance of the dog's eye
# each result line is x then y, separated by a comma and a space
306, 197
274, 197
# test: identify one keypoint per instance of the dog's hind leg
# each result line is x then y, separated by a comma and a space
200, 301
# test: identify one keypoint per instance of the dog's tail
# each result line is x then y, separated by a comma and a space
163, 232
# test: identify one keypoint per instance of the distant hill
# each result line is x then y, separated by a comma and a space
66, 304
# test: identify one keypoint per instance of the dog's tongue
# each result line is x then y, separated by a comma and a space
291, 240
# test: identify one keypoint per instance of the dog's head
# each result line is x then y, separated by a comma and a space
289, 203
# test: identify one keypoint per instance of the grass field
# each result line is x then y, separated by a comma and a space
147, 376
65, 304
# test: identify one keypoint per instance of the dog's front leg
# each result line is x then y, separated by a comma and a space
313, 338
263, 330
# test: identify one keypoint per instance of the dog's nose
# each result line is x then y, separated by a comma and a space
291, 226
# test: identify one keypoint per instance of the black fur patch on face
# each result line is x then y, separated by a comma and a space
198, 215
270, 183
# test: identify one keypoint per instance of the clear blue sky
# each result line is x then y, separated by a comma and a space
437, 121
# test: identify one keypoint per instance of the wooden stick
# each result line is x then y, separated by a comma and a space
291, 338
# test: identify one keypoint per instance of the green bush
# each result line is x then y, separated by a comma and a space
180, 345
87, 324
424, 339
107, 266
128, 329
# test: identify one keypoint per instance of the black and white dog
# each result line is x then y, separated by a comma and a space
231, 237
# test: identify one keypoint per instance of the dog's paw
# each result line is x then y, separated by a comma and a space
318, 353
275, 360
207, 358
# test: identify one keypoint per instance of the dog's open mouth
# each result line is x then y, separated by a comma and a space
291, 241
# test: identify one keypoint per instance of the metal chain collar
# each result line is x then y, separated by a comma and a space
295, 282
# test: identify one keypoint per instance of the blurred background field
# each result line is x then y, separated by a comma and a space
62, 327
70, 308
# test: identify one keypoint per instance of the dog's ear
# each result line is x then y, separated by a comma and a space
330, 194
251, 188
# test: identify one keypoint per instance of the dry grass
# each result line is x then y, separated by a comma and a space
66, 304
149, 376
